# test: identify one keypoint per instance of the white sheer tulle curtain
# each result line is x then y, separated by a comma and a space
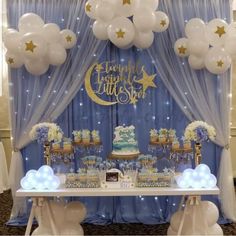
35, 99
200, 95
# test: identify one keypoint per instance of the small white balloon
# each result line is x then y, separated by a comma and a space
170, 231
14, 60
51, 33
215, 230
11, 40
217, 60
143, 39
195, 62
37, 66
105, 11
30, 22
100, 29
216, 32
198, 47
68, 38
56, 54
90, 8
181, 47
144, 19
211, 212
75, 212
71, 229
231, 29
162, 22
153, 4
195, 28
125, 7
230, 45
121, 31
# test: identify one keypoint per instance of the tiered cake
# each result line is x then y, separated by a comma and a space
124, 142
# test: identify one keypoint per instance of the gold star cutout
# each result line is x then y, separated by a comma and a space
99, 67
182, 49
88, 7
220, 31
133, 100
163, 23
120, 34
10, 60
68, 38
30, 46
126, 2
147, 81
220, 63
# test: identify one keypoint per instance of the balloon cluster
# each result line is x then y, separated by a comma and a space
126, 22
209, 45
36, 45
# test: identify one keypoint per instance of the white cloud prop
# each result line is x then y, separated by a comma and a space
126, 22
42, 179
211, 46
36, 44
200, 177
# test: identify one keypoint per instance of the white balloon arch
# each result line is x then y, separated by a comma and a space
126, 22
211, 46
36, 44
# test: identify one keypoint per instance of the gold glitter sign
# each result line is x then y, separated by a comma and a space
107, 83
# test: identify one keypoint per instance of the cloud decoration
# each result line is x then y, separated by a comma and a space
42, 179
211, 46
126, 22
37, 45
200, 177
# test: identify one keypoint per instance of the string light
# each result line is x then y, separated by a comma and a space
15, 112
160, 210
185, 107
49, 77
39, 96
54, 104
135, 107
62, 19
149, 103
185, 21
66, 91
185, 93
183, 63
26, 158
11, 98
230, 95
156, 198
231, 108
153, 62
78, 32
29, 104
167, 117
94, 54
99, 122
173, 204
54, 91
27, 90
81, 104
167, 103
153, 117
122, 59
77, 18
82, 89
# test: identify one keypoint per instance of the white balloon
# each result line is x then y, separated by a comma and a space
182, 183
71, 229
203, 168
121, 31
231, 29
197, 47
33, 45
100, 29
217, 60
125, 7
51, 33
75, 212
6, 32
56, 54
11, 40
211, 212
143, 39
153, 4
25, 184
90, 8
216, 32
14, 60
170, 231
162, 22
215, 230
68, 38
105, 11
195, 62
144, 19
36, 67
181, 47
30, 22
230, 45
195, 28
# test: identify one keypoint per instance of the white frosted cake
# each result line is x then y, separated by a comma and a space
124, 142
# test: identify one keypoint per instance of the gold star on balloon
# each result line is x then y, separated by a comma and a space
147, 81
220, 31
68, 38
30, 46
133, 100
220, 63
182, 49
120, 34
163, 23
88, 7
99, 67
10, 60
126, 2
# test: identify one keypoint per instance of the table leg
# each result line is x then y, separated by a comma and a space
31, 217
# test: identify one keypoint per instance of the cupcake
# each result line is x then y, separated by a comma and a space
163, 133
56, 146
175, 144
77, 136
171, 135
95, 136
153, 135
187, 144
162, 138
85, 136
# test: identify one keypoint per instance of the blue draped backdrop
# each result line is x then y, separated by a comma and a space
157, 110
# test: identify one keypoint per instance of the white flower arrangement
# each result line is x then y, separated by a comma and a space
199, 131
46, 132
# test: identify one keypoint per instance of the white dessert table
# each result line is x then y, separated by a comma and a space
39, 196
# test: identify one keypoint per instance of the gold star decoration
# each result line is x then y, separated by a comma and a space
10, 60
99, 67
88, 7
133, 100
163, 23
68, 38
220, 63
120, 34
30, 46
182, 49
126, 2
220, 31
147, 81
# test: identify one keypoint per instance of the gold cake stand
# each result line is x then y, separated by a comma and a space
182, 150
90, 144
113, 156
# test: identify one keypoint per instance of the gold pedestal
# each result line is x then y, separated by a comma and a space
198, 155
47, 157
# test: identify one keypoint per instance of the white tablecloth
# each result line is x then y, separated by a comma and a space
4, 181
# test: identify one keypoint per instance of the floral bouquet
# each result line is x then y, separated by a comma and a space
199, 131
46, 132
